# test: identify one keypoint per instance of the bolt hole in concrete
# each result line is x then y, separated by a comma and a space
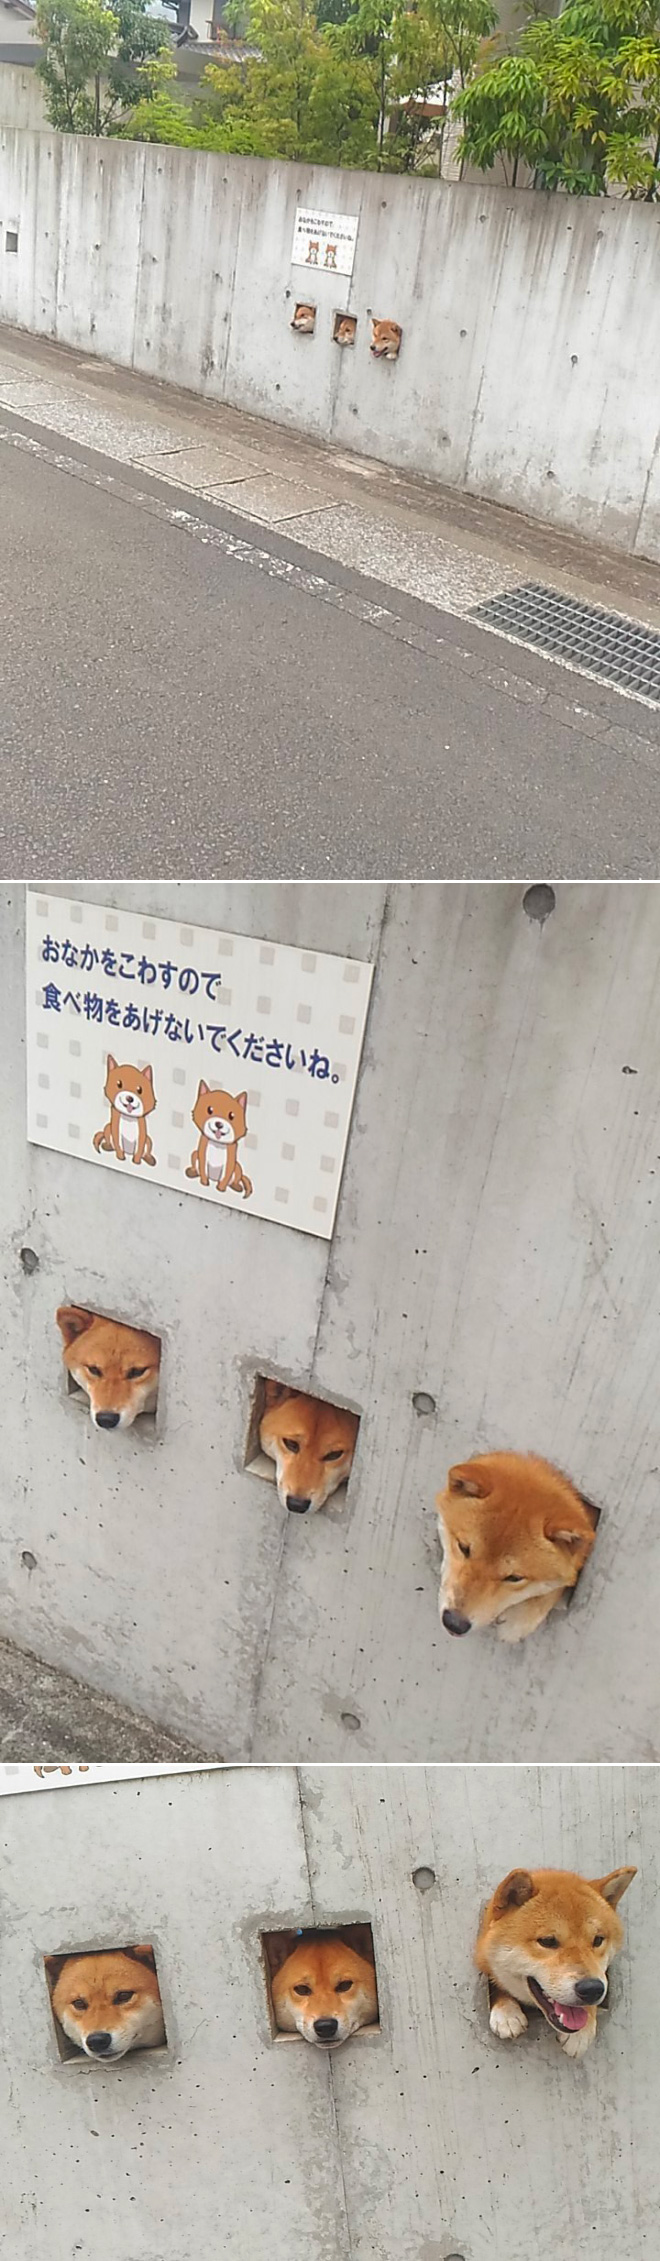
104, 2002
424, 1879
350, 1720
344, 329
29, 1261
28, 1559
304, 320
321, 1984
538, 902
423, 1403
303, 1444
385, 340
112, 1369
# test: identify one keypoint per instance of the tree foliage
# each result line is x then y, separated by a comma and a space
93, 53
578, 103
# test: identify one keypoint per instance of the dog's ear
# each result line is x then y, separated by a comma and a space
278, 1946
514, 1890
464, 1480
149, 1073
53, 1965
73, 1321
274, 1392
143, 1955
612, 1887
242, 1100
203, 1088
110, 1060
562, 1535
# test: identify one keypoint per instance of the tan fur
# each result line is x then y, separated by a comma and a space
559, 1932
84, 1994
339, 1986
221, 1121
386, 340
345, 330
506, 1517
311, 1443
131, 1097
118, 1366
304, 320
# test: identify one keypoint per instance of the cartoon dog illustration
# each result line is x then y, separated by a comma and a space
304, 320
324, 1991
117, 1366
330, 256
386, 340
515, 1534
108, 2003
311, 1443
221, 1121
130, 1092
547, 1939
313, 248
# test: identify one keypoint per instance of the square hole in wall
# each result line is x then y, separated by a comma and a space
11, 239
309, 1446
304, 319
344, 329
340, 1983
105, 2003
112, 1368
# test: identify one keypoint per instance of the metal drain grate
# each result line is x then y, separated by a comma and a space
619, 651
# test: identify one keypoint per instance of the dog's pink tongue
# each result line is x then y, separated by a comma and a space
572, 2019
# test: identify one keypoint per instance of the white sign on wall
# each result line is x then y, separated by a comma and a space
14, 1780
219, 1064
324, 240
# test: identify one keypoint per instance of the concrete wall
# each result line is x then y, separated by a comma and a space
428, 2140
528, 370
496, 1246
21, 96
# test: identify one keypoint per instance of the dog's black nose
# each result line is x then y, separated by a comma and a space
107, 1420
326, 2028
100, 2043
297, 1506
590, 1989
454, 1623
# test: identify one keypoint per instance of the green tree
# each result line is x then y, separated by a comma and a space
92, 56
578, 103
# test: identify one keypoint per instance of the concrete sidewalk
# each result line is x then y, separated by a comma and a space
46, 1715
446, 548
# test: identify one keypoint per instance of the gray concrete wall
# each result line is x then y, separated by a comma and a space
21, 93
496, 1246
428, 2140
531, 324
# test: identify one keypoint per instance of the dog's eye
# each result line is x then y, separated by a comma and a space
512, 1579
95, 1370
135, 1373
551, 1942
291, 1444
120, 1086
332, 1455
302, 1989
78, 2003
126, 1994
343, 1986
599, 1940
462, 1549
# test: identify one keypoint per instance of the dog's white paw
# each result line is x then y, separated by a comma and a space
576, 2044
507, 2019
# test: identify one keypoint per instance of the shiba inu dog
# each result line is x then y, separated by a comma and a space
344, 331
515, 1534
108, 2003
311, 1443
221, 1120
117, 1366
304, 320
547, 1939
131, 1096
386, 340
325, 1991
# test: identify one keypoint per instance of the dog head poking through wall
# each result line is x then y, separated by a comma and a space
515, 1535
118, 1366
547, 1939
108, 2003
311, 1443
325, 1991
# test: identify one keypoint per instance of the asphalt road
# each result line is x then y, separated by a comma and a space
199, 696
